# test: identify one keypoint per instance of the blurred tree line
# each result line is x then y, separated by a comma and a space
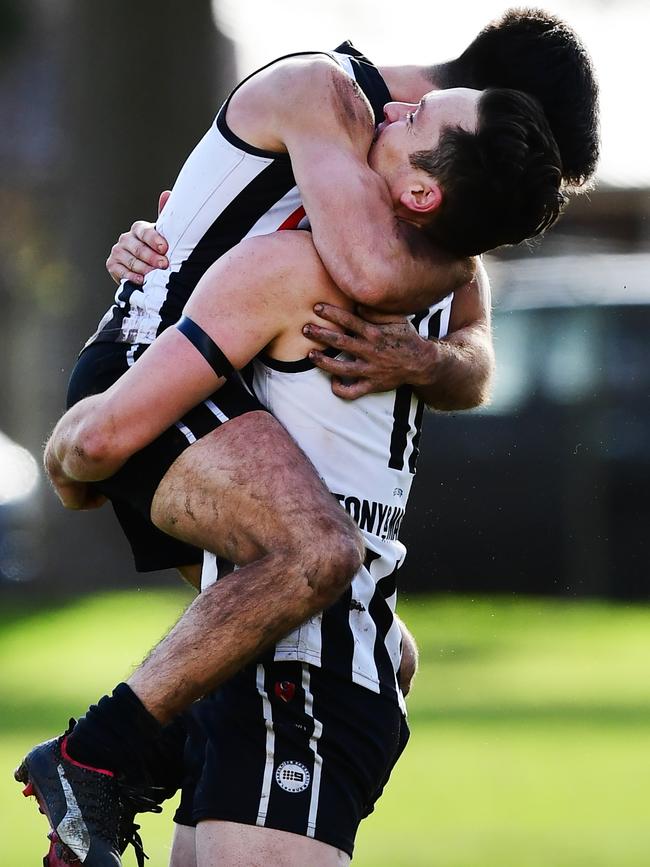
101, 102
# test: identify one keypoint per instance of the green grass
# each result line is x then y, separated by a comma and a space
530, 721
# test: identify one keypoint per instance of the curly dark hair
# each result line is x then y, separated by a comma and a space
501, 184
534, 51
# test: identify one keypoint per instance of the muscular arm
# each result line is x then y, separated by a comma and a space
314, 110
234, 305
457, 371
385, 352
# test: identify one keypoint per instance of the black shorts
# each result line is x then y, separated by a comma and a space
288, 746
132, 488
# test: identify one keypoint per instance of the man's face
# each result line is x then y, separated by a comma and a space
408, 128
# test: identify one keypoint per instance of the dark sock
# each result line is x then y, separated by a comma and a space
118, 734
168, 766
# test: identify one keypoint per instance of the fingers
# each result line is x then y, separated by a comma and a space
146, 232
335, 339
351, 390
134, 256
349, 368
343, 318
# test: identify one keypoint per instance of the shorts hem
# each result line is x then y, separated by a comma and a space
147, 565
337, 842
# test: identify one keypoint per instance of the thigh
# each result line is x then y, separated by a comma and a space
246, 489
229, 844
131, 490
183, 852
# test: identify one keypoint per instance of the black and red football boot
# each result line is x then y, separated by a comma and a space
89, 810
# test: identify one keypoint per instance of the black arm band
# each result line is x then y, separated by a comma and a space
205, 345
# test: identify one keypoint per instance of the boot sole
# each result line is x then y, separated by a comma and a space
59, 855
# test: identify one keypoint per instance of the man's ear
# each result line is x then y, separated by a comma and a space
422, 196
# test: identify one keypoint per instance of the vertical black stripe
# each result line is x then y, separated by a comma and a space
337, 648
383, 619
413, 459
401, 427
434, 324
230, 227
433, 331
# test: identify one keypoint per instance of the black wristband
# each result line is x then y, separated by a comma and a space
205, 345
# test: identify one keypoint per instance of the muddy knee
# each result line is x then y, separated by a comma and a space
337, 554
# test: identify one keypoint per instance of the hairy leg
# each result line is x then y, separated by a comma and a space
229, 844
248, 493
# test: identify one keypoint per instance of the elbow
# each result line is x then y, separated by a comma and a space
469, 393
475, 394
477, 389
95, 451
472, 399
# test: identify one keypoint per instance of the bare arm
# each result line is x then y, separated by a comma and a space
310, 108
457, 370
247, 300
386, 352
314, 110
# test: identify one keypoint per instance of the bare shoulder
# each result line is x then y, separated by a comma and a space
293, 254
294, 280
306, 92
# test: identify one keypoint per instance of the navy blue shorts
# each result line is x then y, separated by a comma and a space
286, 745
132, 488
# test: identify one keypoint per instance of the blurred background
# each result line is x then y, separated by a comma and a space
529, 517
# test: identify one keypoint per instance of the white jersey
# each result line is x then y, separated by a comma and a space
227, 191
366, 453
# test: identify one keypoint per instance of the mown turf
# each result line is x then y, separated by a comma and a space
530, 719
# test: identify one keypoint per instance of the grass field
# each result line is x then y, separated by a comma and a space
530, 721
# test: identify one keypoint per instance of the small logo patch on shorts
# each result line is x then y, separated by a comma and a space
292, 777
285, 690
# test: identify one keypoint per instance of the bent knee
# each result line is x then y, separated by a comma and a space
339, 556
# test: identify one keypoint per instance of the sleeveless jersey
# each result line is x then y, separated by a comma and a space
366, 453
227, 190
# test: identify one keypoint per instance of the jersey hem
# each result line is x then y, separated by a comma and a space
311, 658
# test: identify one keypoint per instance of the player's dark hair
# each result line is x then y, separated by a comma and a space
534, 51
501, 184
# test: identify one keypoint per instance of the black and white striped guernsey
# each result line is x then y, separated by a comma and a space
226, 191
366, 453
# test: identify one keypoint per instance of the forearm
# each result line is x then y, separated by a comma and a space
456, 373
379, 261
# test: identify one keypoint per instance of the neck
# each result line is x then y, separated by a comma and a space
408, 83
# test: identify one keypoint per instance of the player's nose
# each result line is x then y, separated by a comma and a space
396, 110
